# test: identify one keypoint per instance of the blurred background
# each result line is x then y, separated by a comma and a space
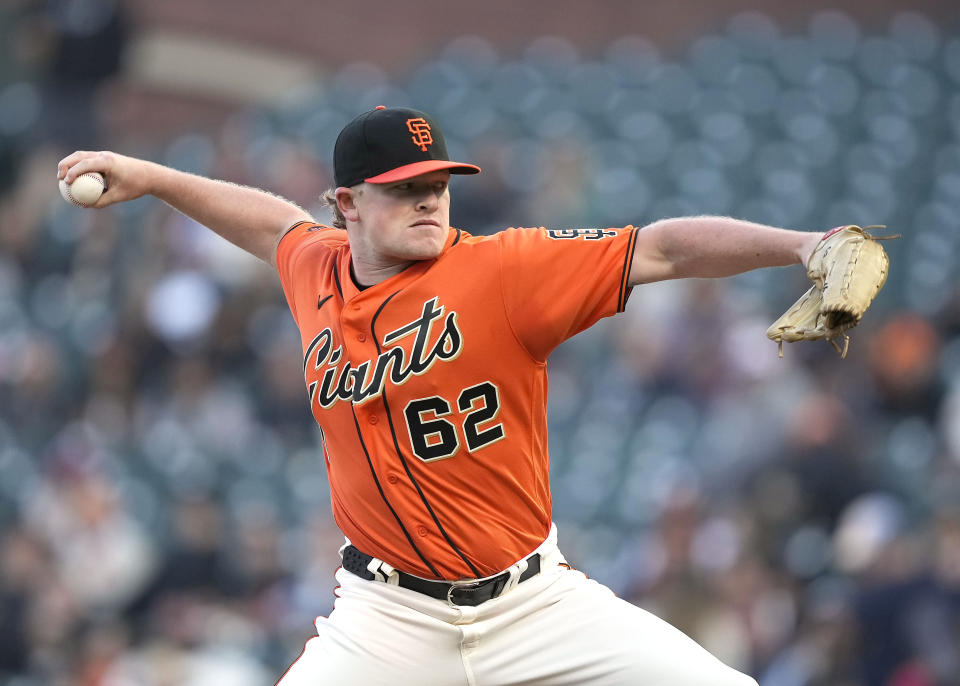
164, 513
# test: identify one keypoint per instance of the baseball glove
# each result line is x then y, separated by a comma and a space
848, 268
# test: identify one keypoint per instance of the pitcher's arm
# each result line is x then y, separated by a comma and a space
247, 217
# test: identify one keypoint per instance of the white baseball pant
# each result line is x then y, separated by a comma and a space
558, 628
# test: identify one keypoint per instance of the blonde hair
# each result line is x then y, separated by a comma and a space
329, 198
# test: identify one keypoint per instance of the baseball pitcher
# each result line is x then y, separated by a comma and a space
424, 360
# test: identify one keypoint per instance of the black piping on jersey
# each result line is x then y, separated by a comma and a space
406, 467
628, 262
320, 301
456, 240
303, 221
336, 277
383, 495
306, 359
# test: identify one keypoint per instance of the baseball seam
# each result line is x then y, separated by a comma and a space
93, 175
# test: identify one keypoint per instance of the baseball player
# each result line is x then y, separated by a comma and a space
424, 359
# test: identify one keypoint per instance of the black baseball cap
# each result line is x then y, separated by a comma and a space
386, 145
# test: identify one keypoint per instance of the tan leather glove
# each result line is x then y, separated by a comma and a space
848, 268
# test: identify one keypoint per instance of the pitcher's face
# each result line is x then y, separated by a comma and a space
401, 221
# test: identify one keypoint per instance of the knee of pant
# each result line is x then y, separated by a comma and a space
731, 677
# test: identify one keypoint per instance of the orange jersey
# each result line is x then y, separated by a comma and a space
430, 387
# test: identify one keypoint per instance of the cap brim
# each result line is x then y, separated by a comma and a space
408, 171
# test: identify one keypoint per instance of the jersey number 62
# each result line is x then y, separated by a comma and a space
434, 437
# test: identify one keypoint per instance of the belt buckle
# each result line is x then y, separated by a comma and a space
471, 585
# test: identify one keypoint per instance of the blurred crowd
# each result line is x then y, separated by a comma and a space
164, 510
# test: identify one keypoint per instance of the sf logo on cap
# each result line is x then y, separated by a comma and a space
420, 129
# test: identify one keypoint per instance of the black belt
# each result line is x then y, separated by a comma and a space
459, 593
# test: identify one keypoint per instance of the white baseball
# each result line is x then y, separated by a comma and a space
85, 190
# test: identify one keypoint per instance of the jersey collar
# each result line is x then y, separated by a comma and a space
350, 291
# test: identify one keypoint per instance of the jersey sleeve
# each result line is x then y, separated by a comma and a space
556, 283
291, 249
